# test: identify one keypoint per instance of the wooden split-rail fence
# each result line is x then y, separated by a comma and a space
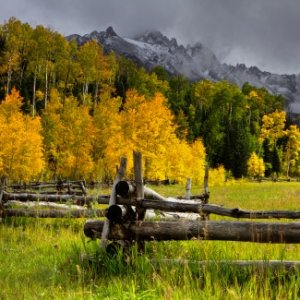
130, 203
48, 200
136, 214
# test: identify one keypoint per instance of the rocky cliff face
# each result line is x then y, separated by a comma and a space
195, 62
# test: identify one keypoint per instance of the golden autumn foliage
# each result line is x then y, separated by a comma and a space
273, 126
69, 132
256, 166
21, 144
107, 140
217, 176
144, 125
292, 147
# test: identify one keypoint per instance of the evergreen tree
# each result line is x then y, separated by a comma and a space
275, 161
237, 148
268, 157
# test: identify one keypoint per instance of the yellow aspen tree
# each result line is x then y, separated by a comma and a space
69, 134
148, 126
186, 160
52, 126
273, 126
33, 164
256, 166
145, 125
179, 160
93, 67
21, 141
292, 147
108, 142
198, 163
217, 176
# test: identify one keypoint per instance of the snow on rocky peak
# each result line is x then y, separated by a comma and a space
196, 62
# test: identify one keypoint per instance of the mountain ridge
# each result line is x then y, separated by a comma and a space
196, 62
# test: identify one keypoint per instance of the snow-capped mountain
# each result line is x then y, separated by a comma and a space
195, 62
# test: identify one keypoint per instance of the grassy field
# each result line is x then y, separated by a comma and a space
44, 259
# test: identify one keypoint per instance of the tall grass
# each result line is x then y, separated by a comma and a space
51, 259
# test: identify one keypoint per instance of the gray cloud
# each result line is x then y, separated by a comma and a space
257, 32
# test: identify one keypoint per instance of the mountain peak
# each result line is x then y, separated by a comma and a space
110, 32
156, 37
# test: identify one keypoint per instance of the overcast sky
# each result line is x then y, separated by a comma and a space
265, 33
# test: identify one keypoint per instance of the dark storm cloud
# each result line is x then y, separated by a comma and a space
257, 32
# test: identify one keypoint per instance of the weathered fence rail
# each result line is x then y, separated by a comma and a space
53, 213
264, 179
259, 232
152, 201
61, 186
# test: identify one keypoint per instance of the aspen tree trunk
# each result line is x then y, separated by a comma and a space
34, 91
22, 74
96, 93
85, 91
46, 85
9, 73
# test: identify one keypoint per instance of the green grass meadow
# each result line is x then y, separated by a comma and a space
47, 259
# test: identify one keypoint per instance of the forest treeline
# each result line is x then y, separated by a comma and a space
71, 111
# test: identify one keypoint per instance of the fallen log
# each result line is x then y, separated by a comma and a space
54, 213
203, 230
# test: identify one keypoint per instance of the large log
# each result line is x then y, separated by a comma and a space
203, 230
53, 213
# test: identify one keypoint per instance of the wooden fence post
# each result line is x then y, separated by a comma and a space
138, 176
206, 191
112, 200
188, 188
